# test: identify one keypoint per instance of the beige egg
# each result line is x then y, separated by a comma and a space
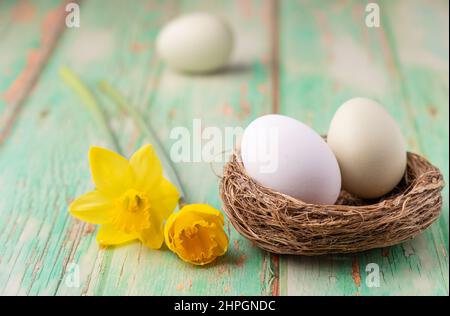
369, 147
196, 43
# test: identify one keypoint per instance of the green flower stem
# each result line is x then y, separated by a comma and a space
147, 132
89, 101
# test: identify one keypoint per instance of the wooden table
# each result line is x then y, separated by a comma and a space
299, 58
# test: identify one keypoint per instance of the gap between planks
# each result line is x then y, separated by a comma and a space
275, 55
275, 85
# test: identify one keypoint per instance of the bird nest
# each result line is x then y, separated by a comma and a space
282, 224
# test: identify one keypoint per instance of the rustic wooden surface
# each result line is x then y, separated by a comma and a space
301, 58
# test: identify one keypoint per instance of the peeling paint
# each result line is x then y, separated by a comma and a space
355, 272
23, 12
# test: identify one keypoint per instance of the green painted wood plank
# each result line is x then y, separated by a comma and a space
335, 57
20, 42
229, 98
20, 32
39, 240
422, 61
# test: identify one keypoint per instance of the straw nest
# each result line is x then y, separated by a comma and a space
282, 224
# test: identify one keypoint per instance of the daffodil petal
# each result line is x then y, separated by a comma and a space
152, 237
111, 172
186, 219
93, 207
205, 211
164, 198
176, 223
169, 231
222, 242
109, 236
147, 168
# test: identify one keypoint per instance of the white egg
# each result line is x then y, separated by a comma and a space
197, 42
369, 147
287, 156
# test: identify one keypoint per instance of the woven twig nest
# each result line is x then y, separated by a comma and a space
282, 224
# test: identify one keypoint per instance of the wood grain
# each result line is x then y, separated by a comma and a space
300, 58
216, 100
41, 240
337, 57
17, 94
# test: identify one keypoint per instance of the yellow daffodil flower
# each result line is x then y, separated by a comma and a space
131, 199
196, 234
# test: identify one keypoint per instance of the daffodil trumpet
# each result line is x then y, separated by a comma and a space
195, 233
